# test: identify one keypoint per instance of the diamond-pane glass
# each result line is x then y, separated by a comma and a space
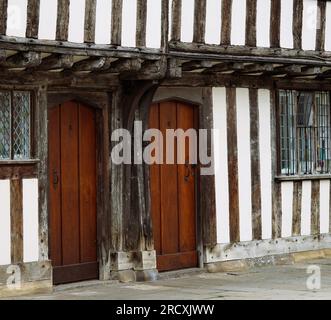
21, 114
5, 125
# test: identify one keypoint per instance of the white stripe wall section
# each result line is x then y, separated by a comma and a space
30, 221
5, 222
244, 174
48, 11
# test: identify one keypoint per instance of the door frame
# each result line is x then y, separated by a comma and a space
100, 103
201, 219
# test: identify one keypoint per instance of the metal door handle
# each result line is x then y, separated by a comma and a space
55, 178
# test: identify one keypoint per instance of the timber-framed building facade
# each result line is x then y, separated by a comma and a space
256, 72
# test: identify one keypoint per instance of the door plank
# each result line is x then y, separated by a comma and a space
169, 188
186, 186
87, 184
55, 186
70, 198
155, 183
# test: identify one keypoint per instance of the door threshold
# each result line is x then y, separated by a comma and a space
180, 273
83, 284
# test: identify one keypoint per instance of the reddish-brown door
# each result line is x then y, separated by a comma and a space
173, 193
72, 179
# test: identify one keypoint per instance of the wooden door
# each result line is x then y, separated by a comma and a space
173, 193
72, 179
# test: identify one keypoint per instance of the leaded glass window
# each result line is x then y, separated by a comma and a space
15, 125
304, 132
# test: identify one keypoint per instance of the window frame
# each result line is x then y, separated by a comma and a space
298, 175
32, 139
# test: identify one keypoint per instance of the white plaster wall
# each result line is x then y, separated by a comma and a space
103, 22
30, 220
221, 165
76, 21
16, 23
324, 206
263, 23
309, 24
129, 23
4, 222
265, 162
306, 208
244, 165
153, 31
238, 22
47, 19
328, 27
213, 22
286, 36
287, 208
187, 20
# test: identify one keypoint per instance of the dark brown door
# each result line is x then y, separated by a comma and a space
173, 192
72, 177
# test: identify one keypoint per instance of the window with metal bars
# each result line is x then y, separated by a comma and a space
15, 125
304, 127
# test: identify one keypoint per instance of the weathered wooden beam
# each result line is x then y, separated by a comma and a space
57, 62
90, 20
321, 25
196, 64
126, 65
275, 23
255, 164
200, 10
176, 14
315, 207
251, 12
296, 215
116, 22
16, 220
226, 22
165, 26
23, 60
297, 23
233, 164
226, 67
32, 22
174, 69
3, 16
93, 64
141, 23
62, 24
256, 68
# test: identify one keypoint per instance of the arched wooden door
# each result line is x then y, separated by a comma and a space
173, 193
72, 192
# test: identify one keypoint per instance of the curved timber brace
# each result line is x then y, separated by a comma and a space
135, 250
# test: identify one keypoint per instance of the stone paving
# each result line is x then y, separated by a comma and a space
267, 283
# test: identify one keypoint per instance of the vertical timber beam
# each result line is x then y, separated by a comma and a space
200, 8
275, 23
276, 185
297, 200
321, 25
176, 14
315, 207
233, 164
164, 26
90, 19
62, 24
226, 22
42, 151
32, 23
3, 16
16, 218
141, 23
251, 12
116, 22
255, 164
297, 23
